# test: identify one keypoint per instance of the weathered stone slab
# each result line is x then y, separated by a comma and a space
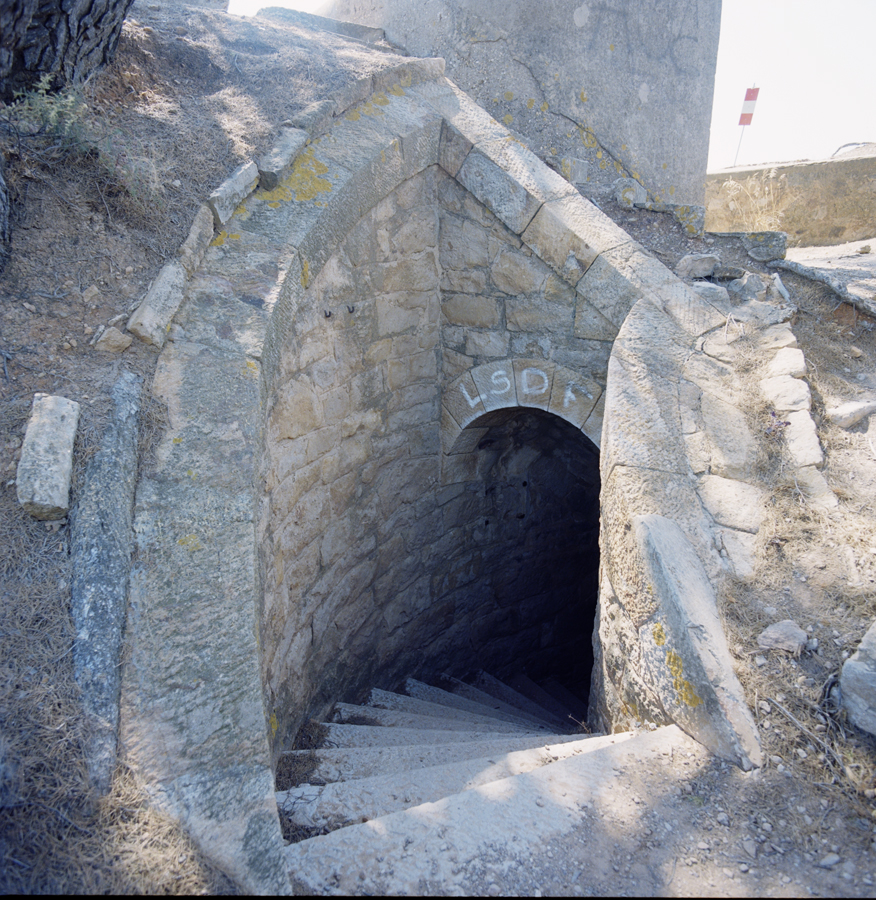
151, 320
495, 383
273, 166
113, 341
740, 548
733, 448
801, 439
684, 650
858, 683
788, 361
697, 265
605, 284
733, 503
815, 488
42, 480
765, 246
192, 251
569, 233
237, 187
534, 380
786, 394
100, 551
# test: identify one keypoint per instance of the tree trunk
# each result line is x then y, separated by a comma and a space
66, 38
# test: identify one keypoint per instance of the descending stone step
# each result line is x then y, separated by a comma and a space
390, 718
347, 763
432, 848
422, 691
487, 683
468, 691
345, 803
343, 735
526, 686
576, 706
399, 702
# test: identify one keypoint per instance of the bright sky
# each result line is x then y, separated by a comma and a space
813, 62
811, 59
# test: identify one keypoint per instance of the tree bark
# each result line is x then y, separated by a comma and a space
66, 38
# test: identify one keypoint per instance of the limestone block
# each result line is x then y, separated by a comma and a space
272, 166
511, 181
534, 380
410, 72
695, 315
788, 361
775, 337
801, 440
487, 343
740, 548
719, 345
515, 273
464, 281
684, 650
699, 454
569, 233
539, 314
350, 94
593, 425
192, 251
748, 287
470, 310
733, 503
697, 265
315, 117
733, 448
42, 481
605, 284
689, 400
715, 294
629, 193
296, 411
495, 384
858, 683
786, 394
237, 187
765, 246
815, 488
152, 318
846, 415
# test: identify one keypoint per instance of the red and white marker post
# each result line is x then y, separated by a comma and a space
747, 114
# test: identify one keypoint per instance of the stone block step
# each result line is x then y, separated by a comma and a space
529, 688
445, 846
343, 735
348, 802
576, 706
348, 763
468, 691
422, 691
390, 718
401, 703
490, 685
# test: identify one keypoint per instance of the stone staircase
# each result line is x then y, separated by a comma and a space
454, 788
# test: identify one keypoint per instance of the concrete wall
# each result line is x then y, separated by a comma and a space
626, 86
831, 201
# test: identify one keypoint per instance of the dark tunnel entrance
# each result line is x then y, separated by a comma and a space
526, 578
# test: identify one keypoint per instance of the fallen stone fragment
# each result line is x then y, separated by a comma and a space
237, 187
849, 414
858, 683
786, 635
765, 246
43, 476
152, 317
814, 488
829, 861
733, 503
113, 341
801, 439
697, 265
749, 287
629, 193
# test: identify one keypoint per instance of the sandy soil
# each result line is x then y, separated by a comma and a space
190, 95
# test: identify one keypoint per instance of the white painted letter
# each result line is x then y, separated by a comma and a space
471, 403
528, 387
500, 378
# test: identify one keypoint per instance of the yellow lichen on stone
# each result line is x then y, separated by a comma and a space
274, 724
222, 237
509, 95
583, 97
191, 542
508, 119
659, 634
381, 99
405, 80
544, 106
177, 440
305, 273
566, 169
530, 103
684, 689
352, 115
305, 181
588, 138
397, 90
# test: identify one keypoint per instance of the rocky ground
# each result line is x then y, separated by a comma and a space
98, 210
